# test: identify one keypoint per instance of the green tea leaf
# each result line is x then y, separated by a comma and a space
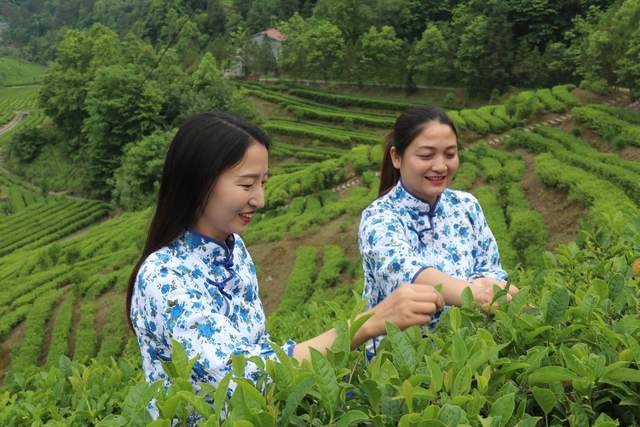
556, 305
455, 319
297, 393
545, 399
436, 374
352, 417
326, 380
198, 403
466, 298
459, 351
624, 375
550, 374
503, 407
404, 354
238, 363
357, 324
462, 382
220, 396
407, 393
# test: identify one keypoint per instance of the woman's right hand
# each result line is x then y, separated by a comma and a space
408, 305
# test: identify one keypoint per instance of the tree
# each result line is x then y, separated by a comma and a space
262, 15
325, 49
628, 67
485, 53
122, 107
431, 55
64, 88
293, 55
352, 17
209, 91
137, 179
380, 55
215, 19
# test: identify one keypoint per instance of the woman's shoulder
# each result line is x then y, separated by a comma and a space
381, 209
459, 197
164, 262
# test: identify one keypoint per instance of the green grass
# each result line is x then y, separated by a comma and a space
14, 71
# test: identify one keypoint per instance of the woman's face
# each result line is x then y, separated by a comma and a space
236, 195
429, 163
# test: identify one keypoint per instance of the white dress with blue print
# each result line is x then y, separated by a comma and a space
401, 235
203, 293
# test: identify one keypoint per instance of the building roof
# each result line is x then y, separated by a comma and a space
274, 34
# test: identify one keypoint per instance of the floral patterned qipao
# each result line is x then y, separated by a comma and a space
204, 294
401, 235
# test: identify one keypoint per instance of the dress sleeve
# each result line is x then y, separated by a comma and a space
485, 252
171, 310
388, 256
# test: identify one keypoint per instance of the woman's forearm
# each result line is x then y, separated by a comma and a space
451, 287
325, 340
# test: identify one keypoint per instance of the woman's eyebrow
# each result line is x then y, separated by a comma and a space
254, 175
430, 147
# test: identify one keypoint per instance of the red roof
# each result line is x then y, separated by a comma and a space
274, 34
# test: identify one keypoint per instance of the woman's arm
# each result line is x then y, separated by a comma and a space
452, 288
410, 304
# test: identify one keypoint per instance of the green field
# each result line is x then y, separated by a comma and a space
65, 262
14, 71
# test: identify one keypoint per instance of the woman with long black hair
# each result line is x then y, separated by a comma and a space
419, 231
195, 281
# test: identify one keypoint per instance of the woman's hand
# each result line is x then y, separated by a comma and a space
408, 305
482, 290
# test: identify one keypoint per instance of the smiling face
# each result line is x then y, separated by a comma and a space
236, 195
429, 162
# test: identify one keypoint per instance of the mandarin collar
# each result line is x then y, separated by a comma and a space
420, 211
211, 251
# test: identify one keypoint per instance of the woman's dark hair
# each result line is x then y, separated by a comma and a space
407, 127
205, 146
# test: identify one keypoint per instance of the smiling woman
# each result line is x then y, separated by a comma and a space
420, 232
195, 281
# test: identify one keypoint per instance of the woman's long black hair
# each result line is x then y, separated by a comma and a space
205, 146
406, 128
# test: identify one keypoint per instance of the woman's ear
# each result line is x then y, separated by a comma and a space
395, 157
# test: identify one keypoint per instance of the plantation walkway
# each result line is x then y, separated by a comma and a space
20, 115
620, 98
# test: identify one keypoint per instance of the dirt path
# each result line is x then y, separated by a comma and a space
20, 115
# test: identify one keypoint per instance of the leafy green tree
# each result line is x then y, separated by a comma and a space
122, 107
28, 140
431, 56
380, 55
64, 88
528, 69
138, 177
534, 22
259, 58
484, 54
162, 20
209, 91
628, 67
262, 15
353, 17
215, 19
293, 56
325, 49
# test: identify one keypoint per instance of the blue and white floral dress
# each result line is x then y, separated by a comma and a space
401, 235
203, 293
